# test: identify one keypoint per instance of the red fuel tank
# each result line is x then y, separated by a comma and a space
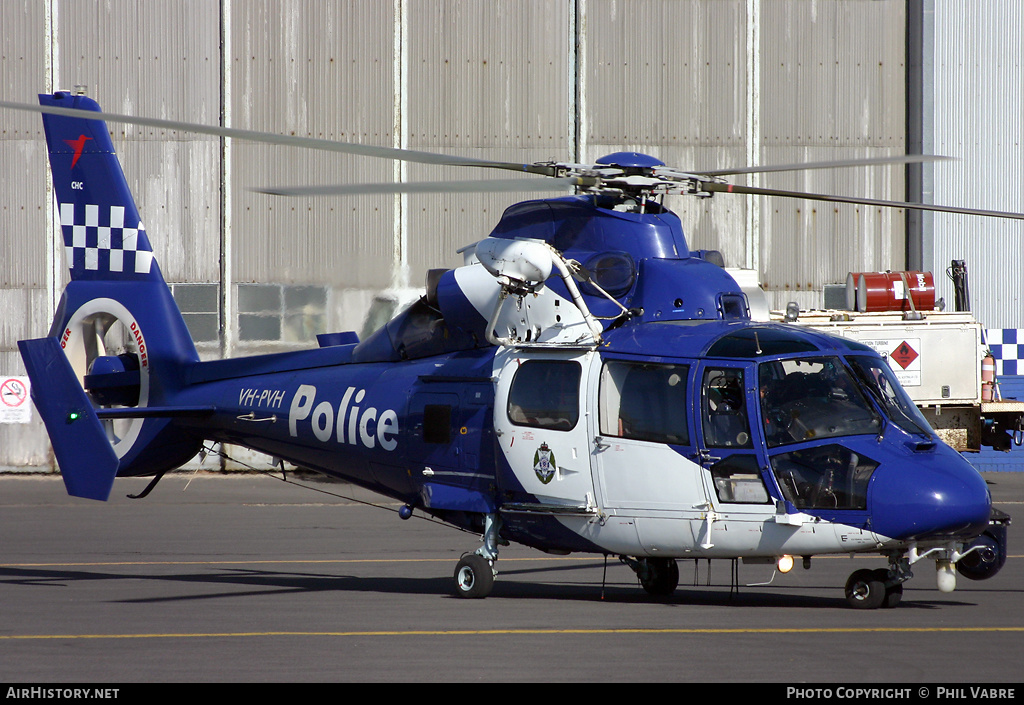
894, 291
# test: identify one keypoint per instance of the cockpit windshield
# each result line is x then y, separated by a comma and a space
810, 398
881, 383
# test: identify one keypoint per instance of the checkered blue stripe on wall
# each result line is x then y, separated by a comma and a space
1008, 352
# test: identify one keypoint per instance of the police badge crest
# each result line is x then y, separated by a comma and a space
544, 463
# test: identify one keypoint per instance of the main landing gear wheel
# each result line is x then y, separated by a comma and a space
893, 596
659, 576
866, 590
474, 576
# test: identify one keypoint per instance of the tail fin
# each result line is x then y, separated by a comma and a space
104, 239
117, 322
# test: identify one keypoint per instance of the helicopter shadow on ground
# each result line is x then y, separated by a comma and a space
247, 582
251, 583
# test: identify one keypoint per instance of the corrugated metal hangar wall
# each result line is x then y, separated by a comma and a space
701, 84
978, 113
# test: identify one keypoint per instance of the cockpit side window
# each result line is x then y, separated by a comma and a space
806, 399
545, 394
644, 402
725, 418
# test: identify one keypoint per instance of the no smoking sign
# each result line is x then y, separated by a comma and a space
15, 406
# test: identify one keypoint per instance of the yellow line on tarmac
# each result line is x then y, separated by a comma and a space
517, 632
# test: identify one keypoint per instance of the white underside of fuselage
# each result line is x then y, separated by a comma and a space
722, 537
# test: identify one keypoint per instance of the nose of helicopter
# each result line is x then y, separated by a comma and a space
941, 498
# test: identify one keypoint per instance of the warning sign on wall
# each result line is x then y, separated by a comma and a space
15, 405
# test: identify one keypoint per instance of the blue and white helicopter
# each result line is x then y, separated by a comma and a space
585, 383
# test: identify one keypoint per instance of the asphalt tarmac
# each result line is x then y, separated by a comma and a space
246, 579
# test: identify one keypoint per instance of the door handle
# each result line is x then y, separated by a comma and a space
704, 455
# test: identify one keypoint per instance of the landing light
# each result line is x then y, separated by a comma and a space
785, 564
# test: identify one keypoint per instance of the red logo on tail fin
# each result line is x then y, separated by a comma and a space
78, 144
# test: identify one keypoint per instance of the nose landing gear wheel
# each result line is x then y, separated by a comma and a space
474, 576
865, 590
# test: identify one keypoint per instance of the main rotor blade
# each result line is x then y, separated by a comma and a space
901, 159
734, 188
479, 186
406, 155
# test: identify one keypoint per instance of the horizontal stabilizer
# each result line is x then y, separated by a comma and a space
87, 461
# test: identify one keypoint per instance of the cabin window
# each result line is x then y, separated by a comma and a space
725, 418
545, 394
645, 402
